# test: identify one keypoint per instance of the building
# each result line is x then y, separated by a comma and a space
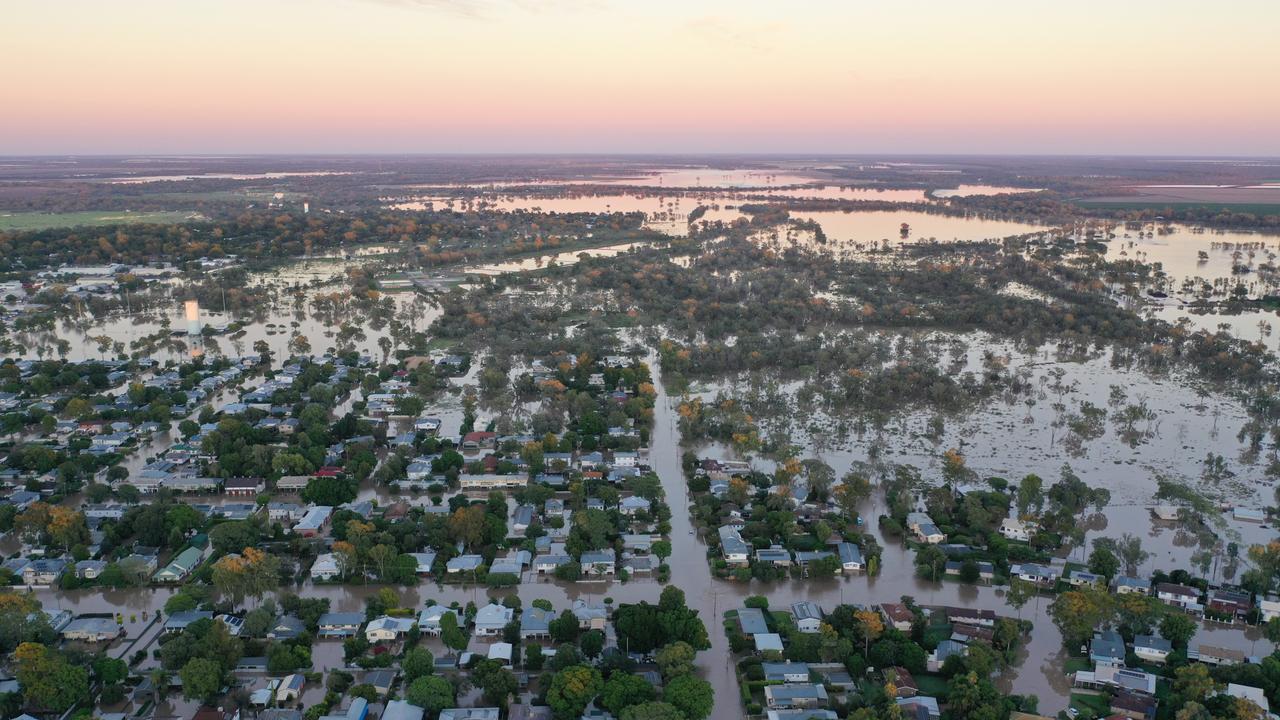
735, 550
401, 710
1014, 529
1107, 648
898, 615
796, 695
180, 567
244, 486
487, 482
92, 629
492, 619
387, 629
808, 616
340, 624
1152, 648
326, 568
1180, 596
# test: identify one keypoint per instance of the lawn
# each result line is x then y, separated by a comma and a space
1094, 705
92, 218
932, 685
1076, 664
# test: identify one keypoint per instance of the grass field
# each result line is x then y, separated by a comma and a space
1091, 705
41, 221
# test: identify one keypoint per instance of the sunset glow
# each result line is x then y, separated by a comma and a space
231, 76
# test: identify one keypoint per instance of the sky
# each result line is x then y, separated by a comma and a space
1170, 77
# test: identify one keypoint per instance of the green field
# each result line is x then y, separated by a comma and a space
41, 221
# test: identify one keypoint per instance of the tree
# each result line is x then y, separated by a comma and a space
1177, 629
662, 549
624, 690
652, 711
1193, 683
1030, 494
431, 693
691, 695
1078, 612
564, 628
675, 659
451, 634
571, 689
591, 643
201, 679
48, 681
417, 663
1104, 562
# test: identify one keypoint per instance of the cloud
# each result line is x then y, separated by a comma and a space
487, 8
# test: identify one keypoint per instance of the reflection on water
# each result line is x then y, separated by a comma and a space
880, 225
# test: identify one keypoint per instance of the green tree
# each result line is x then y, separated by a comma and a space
571, 689
1104, 562
623, 690
591, 643
1177, 629
417, 663
431, 693
691, 695
201, 679
675, 659
1078, 612
451, 634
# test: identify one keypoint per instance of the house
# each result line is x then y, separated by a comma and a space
1211, 655
1270, 608
1230, 603
325, 567
751, 621
340, 624
921, 707
1151, 648
1014, 529
796, 695
536, 623
313, 521
502, 652
90, 569
944, 650
1250, 693
429, 619
285, 512
233, 624
386, 629
425, 561
1179, 596
785, 672
463, 563
292, 483
1082, 578
768, 642
850, 557
904, 683
590, 617
487, 482
244, 486
736, 551
1107, 648
986, 570
1125, 584
898, 616
924, 528
286, 627
775, 555
598, 562
808, 616
634, 504
290, 688
1132, 705
491, 619
381, 680
178, 622
44, 571
92, 629
180, 567
1039, 575
401, 710
801, 714
970, 616
1115, 677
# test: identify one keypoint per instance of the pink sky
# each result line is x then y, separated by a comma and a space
342, 76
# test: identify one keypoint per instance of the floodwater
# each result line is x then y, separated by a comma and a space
880, 225
142, 179
569, 257
1040, 672
964, 190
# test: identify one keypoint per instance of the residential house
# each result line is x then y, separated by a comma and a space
340, 624
785, 672
429, 619
1211, 655
795, 695
326, 567
244, 486
1107, 648
387, 629
492, 619
1125, 584
1180, 596
1152, 648
899, 616
808, 616
535, 623
181, 566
